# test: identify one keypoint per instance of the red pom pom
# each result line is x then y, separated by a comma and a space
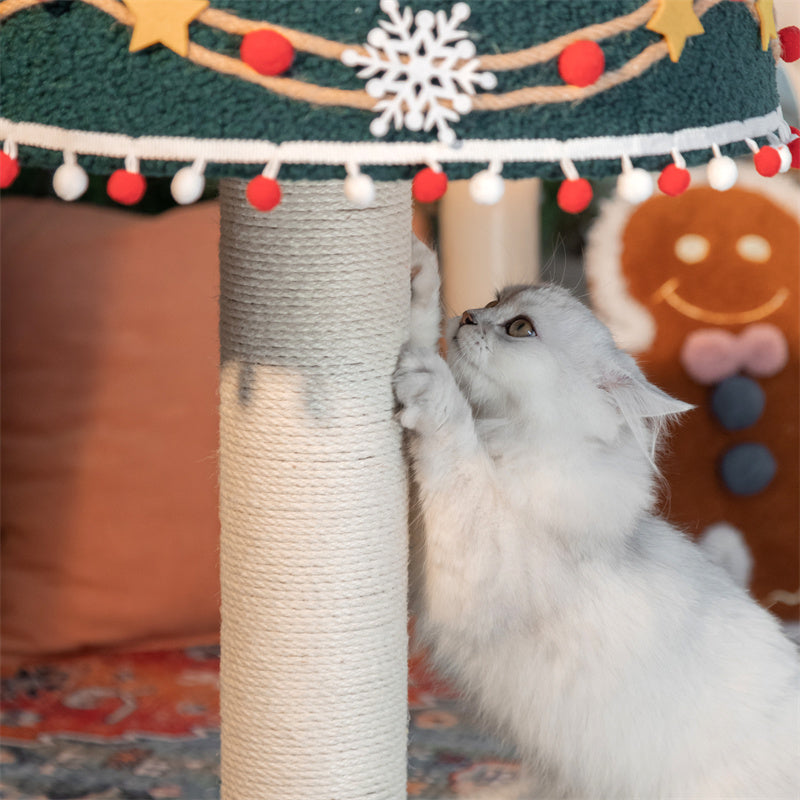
581, 63
429, 185
263, 193
794, 148
9, 169
790, 42
674, 180
767, 161
126, 187
267, 52
574, 196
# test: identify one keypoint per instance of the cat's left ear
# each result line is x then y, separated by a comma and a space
636, 397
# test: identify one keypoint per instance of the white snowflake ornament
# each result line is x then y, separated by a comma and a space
422, 69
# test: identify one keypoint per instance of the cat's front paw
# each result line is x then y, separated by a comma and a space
424, 389
425, 306
424, 274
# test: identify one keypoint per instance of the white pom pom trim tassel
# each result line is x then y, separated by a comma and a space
70, 180
487, 186
189, 183
272, 169
165, 148
569, 169
10, 148
721, 171
132, 164
634, 185
359, 188
783, 151
677, 158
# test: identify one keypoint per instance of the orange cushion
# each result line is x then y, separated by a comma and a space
109, 427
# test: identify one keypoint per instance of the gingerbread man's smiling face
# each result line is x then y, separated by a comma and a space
708, 258
703, 288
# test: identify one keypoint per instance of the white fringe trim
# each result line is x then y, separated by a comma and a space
251, 151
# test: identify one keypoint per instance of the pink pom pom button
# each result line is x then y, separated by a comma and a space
709, 355
764, 350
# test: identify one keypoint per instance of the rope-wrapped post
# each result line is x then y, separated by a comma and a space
313, 506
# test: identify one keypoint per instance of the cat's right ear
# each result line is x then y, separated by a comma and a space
645, 408
637, 398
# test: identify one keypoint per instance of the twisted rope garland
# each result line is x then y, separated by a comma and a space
313, 310
230, 23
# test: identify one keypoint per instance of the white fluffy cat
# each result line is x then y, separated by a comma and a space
617, 657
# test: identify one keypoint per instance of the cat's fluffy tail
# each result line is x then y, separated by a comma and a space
725, 546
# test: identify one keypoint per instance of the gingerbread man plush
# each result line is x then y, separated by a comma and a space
703, 289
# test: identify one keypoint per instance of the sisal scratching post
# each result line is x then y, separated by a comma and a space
313, 311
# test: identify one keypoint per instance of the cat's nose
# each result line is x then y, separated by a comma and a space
467, 319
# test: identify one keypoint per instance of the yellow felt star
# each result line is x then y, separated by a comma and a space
766, 16
163, 22
675, 20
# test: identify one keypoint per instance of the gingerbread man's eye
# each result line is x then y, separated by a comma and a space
754, 248
692, 248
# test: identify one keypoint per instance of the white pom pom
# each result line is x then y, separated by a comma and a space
359, 189
187, 185
70, 181
722, 173
635, 185
486, 187
786, 158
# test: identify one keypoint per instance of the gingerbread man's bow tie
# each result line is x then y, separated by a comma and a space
710, 355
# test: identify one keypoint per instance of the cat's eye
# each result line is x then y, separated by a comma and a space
491, 304
520, 327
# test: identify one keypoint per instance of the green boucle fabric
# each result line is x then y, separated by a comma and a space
68, 65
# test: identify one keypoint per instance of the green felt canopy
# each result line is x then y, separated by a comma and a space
67, 66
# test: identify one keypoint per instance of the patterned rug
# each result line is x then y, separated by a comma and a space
145, 726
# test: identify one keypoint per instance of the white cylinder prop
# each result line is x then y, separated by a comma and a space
313, 506
486, 247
